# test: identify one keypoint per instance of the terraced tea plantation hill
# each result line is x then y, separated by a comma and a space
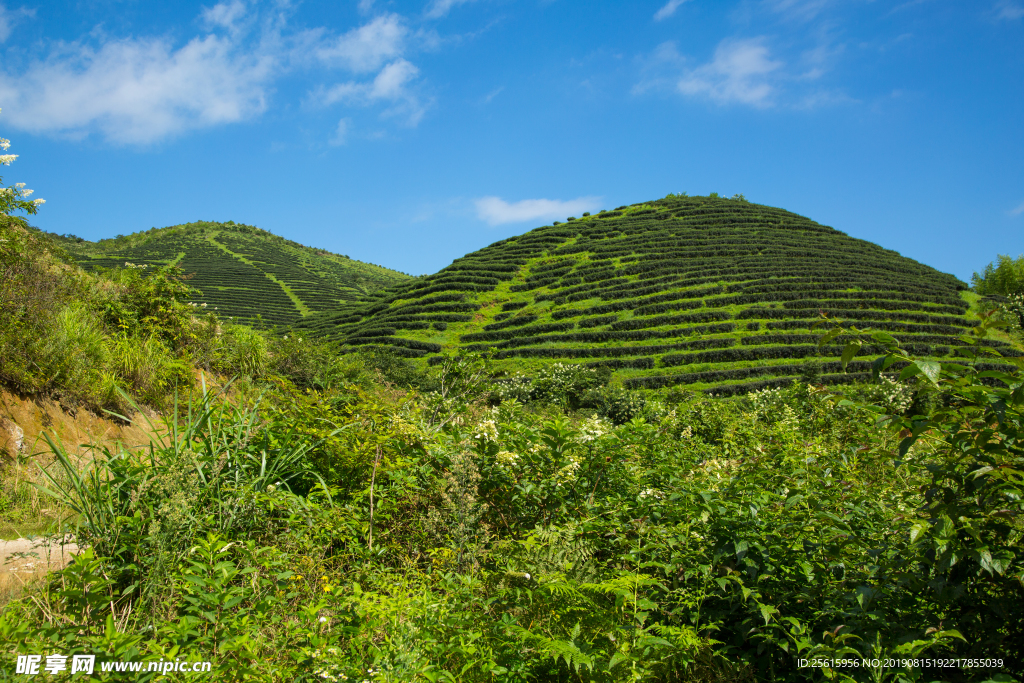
716, 293
243, 271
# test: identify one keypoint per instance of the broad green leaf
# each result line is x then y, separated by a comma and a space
884, 337
929, 369
829, 336
849, 351
917, 530
877, 366
909, 371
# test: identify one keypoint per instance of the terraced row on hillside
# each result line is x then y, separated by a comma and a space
243, 271
711, 292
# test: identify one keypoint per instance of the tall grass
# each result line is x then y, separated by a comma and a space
145, 507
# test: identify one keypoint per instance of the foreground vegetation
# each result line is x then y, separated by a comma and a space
359, 517
378, 534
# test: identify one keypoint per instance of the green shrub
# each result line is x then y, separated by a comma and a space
617, 404
244, 351
393, 368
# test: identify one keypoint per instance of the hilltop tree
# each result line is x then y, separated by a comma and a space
1002, 277
1005, 278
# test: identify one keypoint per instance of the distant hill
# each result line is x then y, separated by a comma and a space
243, 271
706, 291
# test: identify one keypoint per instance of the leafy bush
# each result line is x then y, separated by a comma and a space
618, 405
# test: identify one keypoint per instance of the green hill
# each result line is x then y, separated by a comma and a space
706, 291
243, 271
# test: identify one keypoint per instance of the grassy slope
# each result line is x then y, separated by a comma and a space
244, 271
704, 291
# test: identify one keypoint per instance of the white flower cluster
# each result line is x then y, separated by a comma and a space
18, 191
651, 493
770, 405
765, 400
507, 459
328, 670
789, 417
568, 472
1013, 312
895, 397
558, 378
517, 388
593, 428
6, 159
138, 267
487, 430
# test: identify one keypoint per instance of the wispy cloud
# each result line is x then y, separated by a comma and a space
367, 47
1008, 10
486, 99
391, 85
668, 9
1017, 211
225, 15
440, 8
340, 136
798, 10
739, 73
790, 63
9, 19
496, 211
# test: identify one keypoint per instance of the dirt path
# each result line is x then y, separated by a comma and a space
41, 556
47, 555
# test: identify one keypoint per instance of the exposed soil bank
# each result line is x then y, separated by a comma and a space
23, 420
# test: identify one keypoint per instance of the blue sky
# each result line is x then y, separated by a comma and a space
411, 133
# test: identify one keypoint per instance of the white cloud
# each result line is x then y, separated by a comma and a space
496, 211
340, 136
668, 9
1017, 211
1007, 9
440, 8
739, 72
140, 90
391, 82
137, 91
366, 48
391, 85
